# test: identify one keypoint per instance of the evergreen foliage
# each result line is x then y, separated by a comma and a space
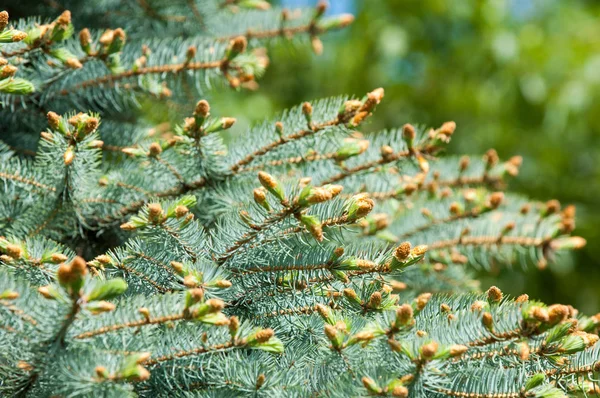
302, 258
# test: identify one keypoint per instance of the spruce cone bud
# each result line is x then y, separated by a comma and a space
447, 128
307, 109
457, 350
3, 20
239, 44
181, 211
64, 18
496, 199
154, 212
69, 156
404, 314
464, 163
53, 120
155, 149
85, 38
422, 300
402, 251
234, 325
400, 392
14, 251
58, 258
429, 350
264, 335
215, 305
557, 313
494, 294
487, 320
375, 300
260, 380
202, 108
408, 132
419, 250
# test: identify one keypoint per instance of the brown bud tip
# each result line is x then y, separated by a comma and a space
429, 350
457, 350
155, 149
223, 284
522, 298
181, 211
145, 312
386, 151
79, 265
321, 6
408, 131
177, 266
464, 163
85, 38
228, 122
422, 300
69, 156
350, 293
202, 108
64, 18
516, 161
403, 251
154, 211
91, 124
191, 52
419, 250
264, 335
216, 304
107, 37
404, 313
345, 20
400, 391
540, 314
375, 300
339, 252
73, 63
58, 258
119, 34
3, 19
127, 226
266, 180
491, 157
557, 313
376, 95
101, 372
447, 128
335, 190
398, 286
494, 294
487, 320
259, 195
14, 251
239, 44
496, 199
307, 108
260, 380
53, 120
552, 206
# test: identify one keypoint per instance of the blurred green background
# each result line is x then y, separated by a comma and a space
521, 76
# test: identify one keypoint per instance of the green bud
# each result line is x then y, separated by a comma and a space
535, 381
16, 86
107, 290
351, 148
12, 36
271, 184
220, 124
336, 22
